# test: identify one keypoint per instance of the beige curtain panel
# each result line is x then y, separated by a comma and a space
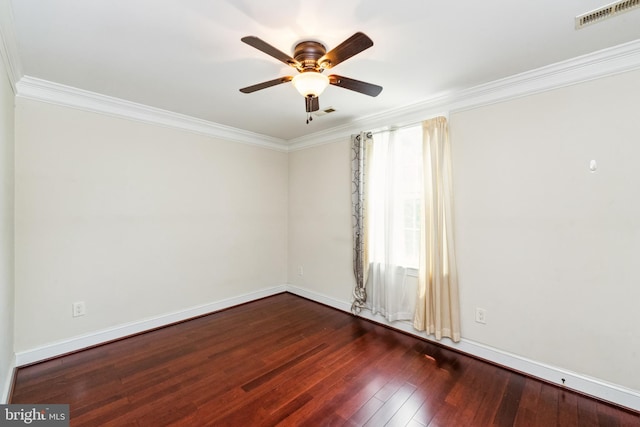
437, 309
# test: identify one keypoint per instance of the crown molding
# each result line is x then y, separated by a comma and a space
67, 96
603, 63
9, 46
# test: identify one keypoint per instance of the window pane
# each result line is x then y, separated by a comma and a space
395, 197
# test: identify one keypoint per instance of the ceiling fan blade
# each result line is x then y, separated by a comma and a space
265, 85
355, 85
345, 50
312, 103
270, 50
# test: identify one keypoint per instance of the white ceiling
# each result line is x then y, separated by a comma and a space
185, 56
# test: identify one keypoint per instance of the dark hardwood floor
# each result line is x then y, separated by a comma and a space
289, 361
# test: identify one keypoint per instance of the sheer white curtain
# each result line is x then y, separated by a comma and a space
394, 168
437, 308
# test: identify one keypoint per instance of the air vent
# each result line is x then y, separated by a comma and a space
327, 110
605, 12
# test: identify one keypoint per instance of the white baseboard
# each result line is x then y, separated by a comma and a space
99, 337
323, 299
597, 388
8, 380
574, 381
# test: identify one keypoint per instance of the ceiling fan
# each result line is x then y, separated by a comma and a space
311, 58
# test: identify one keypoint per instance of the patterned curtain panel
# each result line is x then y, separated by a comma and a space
359, 145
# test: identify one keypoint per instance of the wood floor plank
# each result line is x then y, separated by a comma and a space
438, 390
288, 361
404, 415
568, 416
357, 397
548, 406
333, 382
493, 391
527, 409
367, 411
469, 401
282, 368
510, 401
386, 412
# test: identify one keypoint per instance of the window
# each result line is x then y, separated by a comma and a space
392, 237
395, 197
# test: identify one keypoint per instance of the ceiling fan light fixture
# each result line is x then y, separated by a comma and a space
310, 83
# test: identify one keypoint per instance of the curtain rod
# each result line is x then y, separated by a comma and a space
391, 128
398, 127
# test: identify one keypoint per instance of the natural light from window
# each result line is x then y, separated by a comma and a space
395, 197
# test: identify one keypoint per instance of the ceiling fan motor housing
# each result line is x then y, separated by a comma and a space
307, 53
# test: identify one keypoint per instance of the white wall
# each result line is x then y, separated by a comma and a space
546, 247
6, 231
319, 220
137, 221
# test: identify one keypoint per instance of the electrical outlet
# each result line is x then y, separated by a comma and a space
79, 309
481, 315
300, 271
